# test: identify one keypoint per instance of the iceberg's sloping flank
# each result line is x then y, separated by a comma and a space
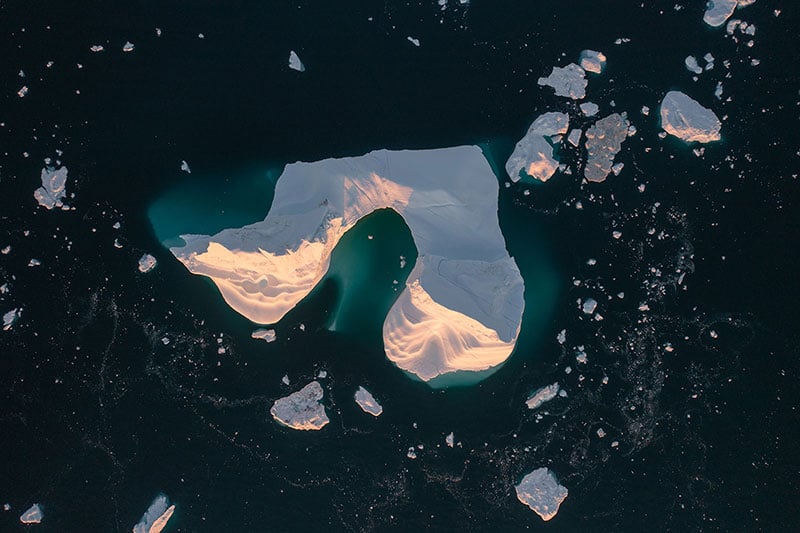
462, 305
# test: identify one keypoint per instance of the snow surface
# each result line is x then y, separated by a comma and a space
461, 308
685, 118
593, 61
541, 396
533, 154
147, 263
301, 410
156, 517
367, 402
10, 318
540, 491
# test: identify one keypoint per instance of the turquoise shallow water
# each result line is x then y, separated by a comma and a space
366, 274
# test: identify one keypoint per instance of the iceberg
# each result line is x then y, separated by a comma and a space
301, 410
367, 402
33, 515
156, 517
53, 191
540, 491
147, 263
267, 335
589, 109
295, 63
718, 11
533, 154
603, 142
461, 307
593, 61
569, 81
543, 395
10, 318
686, 119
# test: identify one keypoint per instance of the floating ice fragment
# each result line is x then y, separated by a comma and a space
589, 109
569, 81
540, 491
97, 48
718, 11
533, 154
10, 318
718, 90
450, 440
265, 334
589, 306
128, 47
33, 515
413, 41
34, 262
540, 396
367, 402
147, 263
156, 517
603, 142
53, 191
562, 336
295, 63
412, 453
301, 410
685, 118
185, 167
692, 65
593, 61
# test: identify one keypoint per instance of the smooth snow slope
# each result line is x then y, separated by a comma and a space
462, 305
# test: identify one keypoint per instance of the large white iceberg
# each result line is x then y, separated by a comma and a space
462, 305
533, 154
156, 517
53, 191
10, 317
301, 410
686, 119
603, 142
540, 491
33, 515
569, 81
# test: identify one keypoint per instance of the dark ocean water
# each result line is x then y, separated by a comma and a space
99, 415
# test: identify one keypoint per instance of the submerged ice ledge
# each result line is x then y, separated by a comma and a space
462, 305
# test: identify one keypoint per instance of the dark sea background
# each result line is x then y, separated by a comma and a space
98, 415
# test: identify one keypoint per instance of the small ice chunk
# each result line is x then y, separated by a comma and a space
562, 336
540, 396
367, 402
617, 168
569, 81
593, 61
412, 453
33, 515
185, 167
10, 318
603, 142
156, 517
128, 47
589, 306
540, 491
601, 432
718, 90
692, 65
574, 137
718, 11
533, 154
450, 440
413, 41
265, 334
23, 91
147, 263
685, 118
53, 191
97, 48
589, 109
301, 410
295, 63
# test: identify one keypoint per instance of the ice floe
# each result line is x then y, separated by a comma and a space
295, 63
147, 263
569, 81
533, 154
156, 517
461, 308
603, 142
367, 402
267, 335
589, 109
33, 515
301, 410
593, 61
53, 191
540, 491
542, 395
685, 118
185, 167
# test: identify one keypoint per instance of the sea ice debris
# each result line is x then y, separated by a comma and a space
10, 318
301, 410
541, 396
603, 141
540, 491
147, 263
533, 154
53, 191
